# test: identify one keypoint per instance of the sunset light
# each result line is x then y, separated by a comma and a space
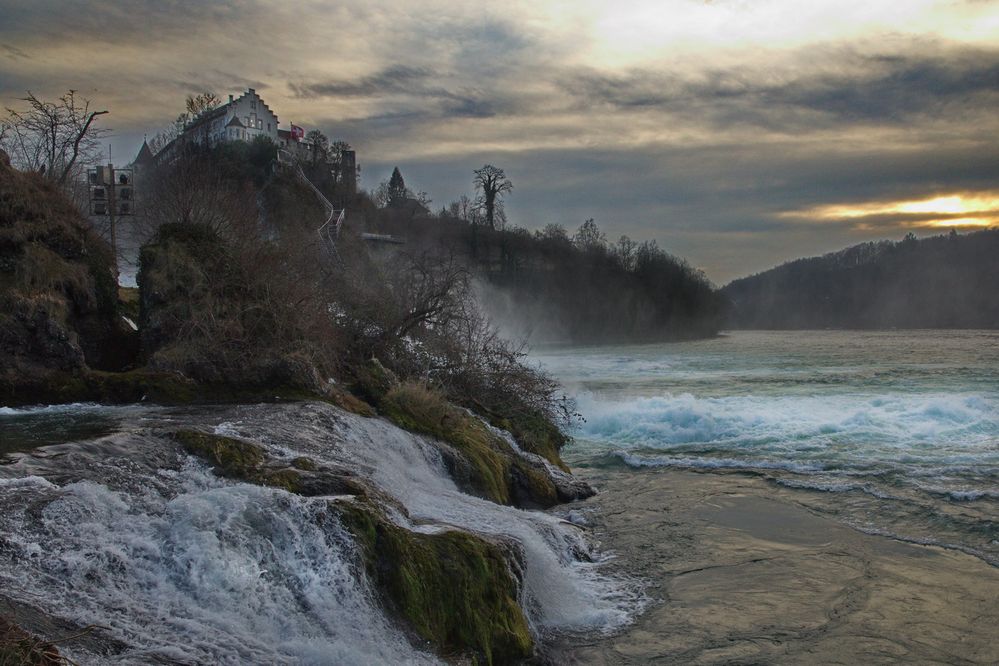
956, 210
375, 332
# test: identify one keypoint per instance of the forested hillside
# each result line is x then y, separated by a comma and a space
947, 281
557, 287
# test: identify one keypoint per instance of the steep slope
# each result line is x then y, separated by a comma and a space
58, 297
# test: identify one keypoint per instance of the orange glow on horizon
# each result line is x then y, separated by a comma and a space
974, 210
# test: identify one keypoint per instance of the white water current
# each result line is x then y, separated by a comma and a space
177, 565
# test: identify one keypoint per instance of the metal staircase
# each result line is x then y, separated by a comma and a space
328, 231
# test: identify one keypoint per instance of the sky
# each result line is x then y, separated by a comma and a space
738, 134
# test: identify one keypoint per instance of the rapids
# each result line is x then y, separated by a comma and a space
126, 531
892, 432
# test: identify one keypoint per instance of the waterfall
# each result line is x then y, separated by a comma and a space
128, 532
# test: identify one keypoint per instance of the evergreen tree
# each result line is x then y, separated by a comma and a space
397, 193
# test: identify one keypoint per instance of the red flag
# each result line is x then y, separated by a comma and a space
297, 132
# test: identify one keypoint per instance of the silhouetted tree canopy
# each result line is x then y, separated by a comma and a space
947, 281
577, 288
397, 194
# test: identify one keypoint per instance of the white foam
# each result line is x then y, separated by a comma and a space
51, 409
217, 572
562, 592
832, 431
184, 566
27, 482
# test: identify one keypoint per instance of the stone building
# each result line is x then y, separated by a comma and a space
245, 118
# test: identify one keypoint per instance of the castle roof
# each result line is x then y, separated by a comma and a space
145, 155
235, 122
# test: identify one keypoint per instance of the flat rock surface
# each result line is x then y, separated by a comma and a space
741, 573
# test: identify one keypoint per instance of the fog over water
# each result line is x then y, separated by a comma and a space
892, 432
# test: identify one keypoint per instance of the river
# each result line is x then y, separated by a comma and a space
895, 433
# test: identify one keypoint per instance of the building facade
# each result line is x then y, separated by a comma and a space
245, 118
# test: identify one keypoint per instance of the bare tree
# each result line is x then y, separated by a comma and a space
200, 104
494, 184
335, 154
464, 209
194, 191
589, 236
51, 137
195, 106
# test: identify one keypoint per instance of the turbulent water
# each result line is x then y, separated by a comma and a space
892, 432
118, 527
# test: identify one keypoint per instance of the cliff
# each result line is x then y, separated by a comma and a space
58, 296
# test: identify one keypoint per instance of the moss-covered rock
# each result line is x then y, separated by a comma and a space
487, 465
232, 457
243, 460
534, 433
58, 300
350, 403
373, 381
454, 589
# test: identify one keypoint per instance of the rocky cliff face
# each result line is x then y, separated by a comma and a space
58, 296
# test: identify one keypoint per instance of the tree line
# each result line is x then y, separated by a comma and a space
945, 281
550, 284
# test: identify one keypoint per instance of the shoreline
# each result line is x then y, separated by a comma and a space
740, 572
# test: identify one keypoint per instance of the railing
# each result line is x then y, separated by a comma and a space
329, 231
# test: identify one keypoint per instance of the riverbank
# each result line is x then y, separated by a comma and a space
741, 572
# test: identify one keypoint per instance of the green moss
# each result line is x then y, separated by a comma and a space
351, 403
496, 473
373, 381
533, 487
454, 589
286, 479
128, 302
100, 263
304, 463
418, 409
534, 433
246, 461
232, 457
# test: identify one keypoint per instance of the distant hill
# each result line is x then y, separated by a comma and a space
948, 281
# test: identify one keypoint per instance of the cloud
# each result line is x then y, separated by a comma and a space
393, 79
13, 52
701, 125
848, 87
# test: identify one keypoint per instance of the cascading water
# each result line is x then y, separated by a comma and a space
128, 532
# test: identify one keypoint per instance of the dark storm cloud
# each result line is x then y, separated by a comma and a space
394, 79
860, 88
13, 52
410, 89
127, 21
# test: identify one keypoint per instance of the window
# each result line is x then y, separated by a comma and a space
268, 127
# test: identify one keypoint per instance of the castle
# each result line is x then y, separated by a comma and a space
243, 119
